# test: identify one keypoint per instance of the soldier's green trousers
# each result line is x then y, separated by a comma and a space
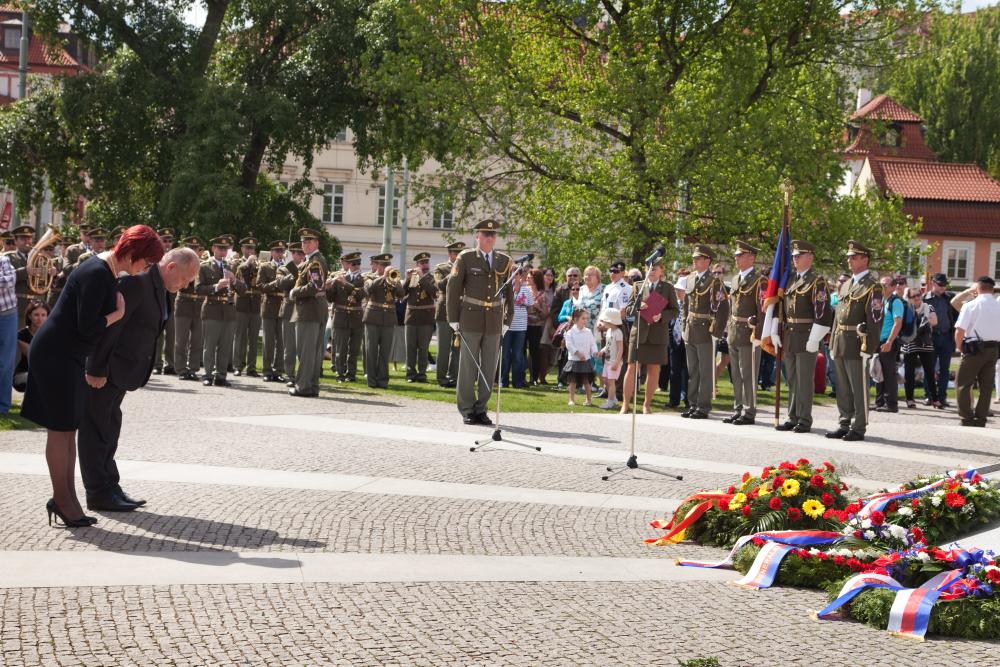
448, 356
245, 345
164, 355
347, 345
218, 347
475, 388
800, 367
971, 369
289, 352
701, 375
187, 343
378, 351
418, 342
852, 393
745, 360
309, 344
274, 361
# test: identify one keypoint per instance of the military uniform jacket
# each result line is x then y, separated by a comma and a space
381, 308
270, 296
248, 301
348, 301
20, 264
58, 281
441, 273
807, 302
857, 305
219, 305
73, 253
420, 295
284, 282
187, 303
746, 308
656, 333
471, 290
706, 309
310, 299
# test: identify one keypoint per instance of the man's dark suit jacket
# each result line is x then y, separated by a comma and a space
125, 352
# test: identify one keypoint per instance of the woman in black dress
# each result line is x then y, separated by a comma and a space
57, 386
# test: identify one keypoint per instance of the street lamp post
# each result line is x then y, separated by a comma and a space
22, 91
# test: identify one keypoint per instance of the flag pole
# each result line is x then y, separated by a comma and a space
786, 190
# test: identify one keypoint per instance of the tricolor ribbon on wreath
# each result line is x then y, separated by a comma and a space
879, 501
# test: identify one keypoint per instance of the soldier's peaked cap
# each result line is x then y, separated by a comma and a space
222, 241
295, 245
855, 248
351, 257
800, 247
382, 257
422, 257
23, 230
249, 241
277, 245
306, 233
702, 250
487, 225
743, 246
457, 246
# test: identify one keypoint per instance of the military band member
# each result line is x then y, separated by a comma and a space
187, 325
806, 319
479, 315
164, 356
247, 311
348, 297
114, 236
746, 320
854, 339
380, 319
74, 251
218, 284
23, 237
419, 320
273, 364
705, 314
309, 315
63, 269
8, 242
97, 244
287, 275
448, 354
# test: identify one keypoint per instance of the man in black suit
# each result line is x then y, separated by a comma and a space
123, 361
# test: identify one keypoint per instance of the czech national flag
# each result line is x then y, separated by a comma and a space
781, 271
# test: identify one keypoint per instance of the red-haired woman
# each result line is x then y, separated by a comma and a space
54, 397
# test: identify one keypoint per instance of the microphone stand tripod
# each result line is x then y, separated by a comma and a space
633, 461
497, 437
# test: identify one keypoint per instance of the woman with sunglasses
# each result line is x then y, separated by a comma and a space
920, 349
57, 385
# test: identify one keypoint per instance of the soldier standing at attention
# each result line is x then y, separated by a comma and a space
448, 355
273, 364
217, 283
856, 328
480, 316
705, 314
746, 321
348, 296
23, 237
380, 320
164, 355
187, 324
247, 311
287, 275
805, 322
420, 294
309, 315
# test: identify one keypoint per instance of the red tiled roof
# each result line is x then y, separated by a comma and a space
911, 145
40, 55
953, 219
938, 181
884, 107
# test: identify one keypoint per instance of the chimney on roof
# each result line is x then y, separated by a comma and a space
864, 97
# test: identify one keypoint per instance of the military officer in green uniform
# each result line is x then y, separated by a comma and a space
805, 320
309, 315
287, 275
705, 314
448, 354
421, 291
273, 365
98, 239
480, 316
74, 251
380, 320
247, 311
23, 237
856, 327
217, 284
187, 324
62, 270
746, 320
164, 356
348, 298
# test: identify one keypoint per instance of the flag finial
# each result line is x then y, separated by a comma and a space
786, 188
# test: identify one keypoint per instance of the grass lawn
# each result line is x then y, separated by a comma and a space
13, 420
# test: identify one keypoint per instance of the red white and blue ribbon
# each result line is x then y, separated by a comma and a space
879, 501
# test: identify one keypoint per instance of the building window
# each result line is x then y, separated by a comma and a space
333, 204
957, 261
12, 38
381, 206
891, 136
443, 215
995, 261
340, 137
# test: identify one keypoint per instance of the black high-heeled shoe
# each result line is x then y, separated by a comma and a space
82, 522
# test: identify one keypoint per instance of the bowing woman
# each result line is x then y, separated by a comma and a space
57, 385
648, 342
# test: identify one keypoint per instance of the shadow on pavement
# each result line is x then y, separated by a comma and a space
557, 435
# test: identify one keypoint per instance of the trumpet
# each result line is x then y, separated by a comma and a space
40, 280
392, 276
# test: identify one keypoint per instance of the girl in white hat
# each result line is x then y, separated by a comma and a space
611, 319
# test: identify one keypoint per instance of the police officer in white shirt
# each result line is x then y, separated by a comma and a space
977, 337
616, 295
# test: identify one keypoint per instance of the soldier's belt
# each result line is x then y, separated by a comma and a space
699, 316
350, 309
27, 295
383, 306
847, 327
480, 302
740, 320
250, 292
217, 299
189, 297
430, 307
799, 320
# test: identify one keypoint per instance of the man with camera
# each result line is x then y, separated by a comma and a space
977, 337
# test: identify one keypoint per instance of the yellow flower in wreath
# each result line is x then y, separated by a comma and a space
790, 488
764, 489
738, 500
813, 508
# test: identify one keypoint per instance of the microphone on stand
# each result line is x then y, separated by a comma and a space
658, 253
526, 258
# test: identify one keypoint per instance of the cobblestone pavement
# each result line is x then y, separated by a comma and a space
457, 622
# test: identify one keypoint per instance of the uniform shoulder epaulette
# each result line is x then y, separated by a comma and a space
501, 254
466, 252
207, 262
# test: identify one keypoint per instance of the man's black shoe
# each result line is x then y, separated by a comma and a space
801, 428
219, 382
731, 418
687, 413
112, 503
787, 426
237, 372
411, 380
945, 404
169, 370
853, 436
157, 371
208, 382
484, 419
470, 419
886, 408
745, 421
838, 434
187, 375
129, 499
252, 374
928, 401
290, 383
301, 394
974, 422
697, 414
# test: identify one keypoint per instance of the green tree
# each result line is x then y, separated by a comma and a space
602, 127
950, 75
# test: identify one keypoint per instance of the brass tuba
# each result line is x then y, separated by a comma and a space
392, 276
40, 283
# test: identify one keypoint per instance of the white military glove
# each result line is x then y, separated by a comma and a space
816, 335
454, 326
504, 329
754, 342
775, 337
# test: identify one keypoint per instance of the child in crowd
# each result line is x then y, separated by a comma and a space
580, 347
611, 321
